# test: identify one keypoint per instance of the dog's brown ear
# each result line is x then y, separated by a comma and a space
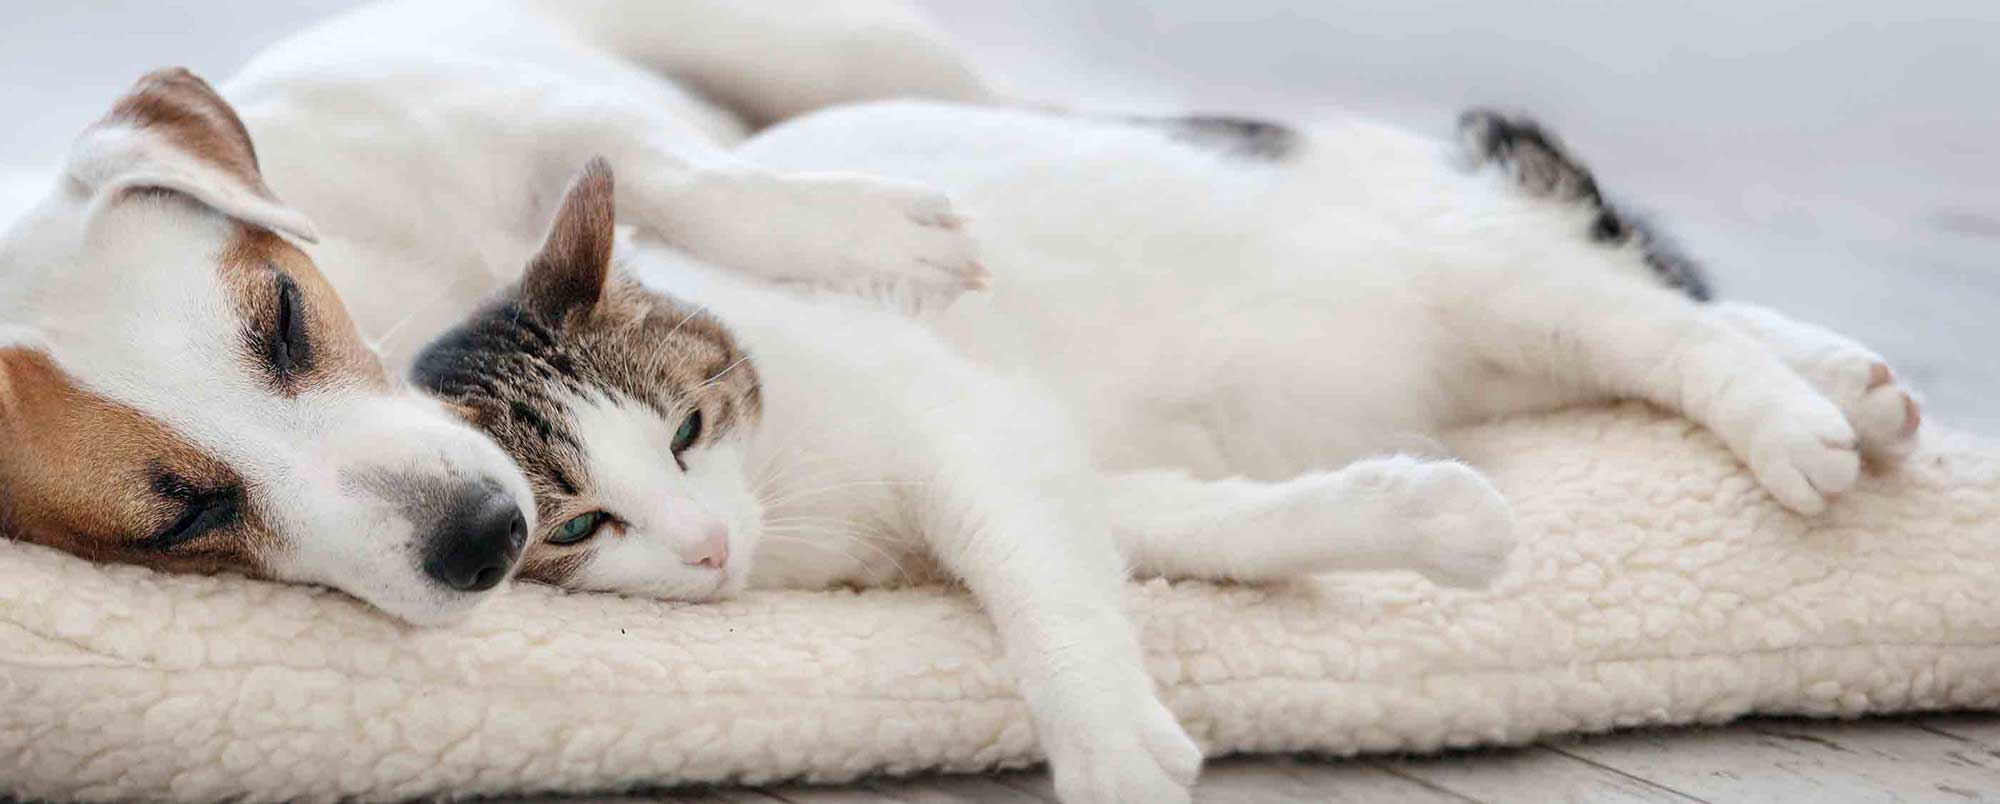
173, 132
7, 403
568, 274
24, 362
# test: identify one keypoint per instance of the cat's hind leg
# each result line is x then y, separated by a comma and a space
1884, 412
1573, 324
1438, 518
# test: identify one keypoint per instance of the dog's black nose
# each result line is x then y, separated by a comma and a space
477, 542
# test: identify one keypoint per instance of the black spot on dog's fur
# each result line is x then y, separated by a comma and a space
1541, 167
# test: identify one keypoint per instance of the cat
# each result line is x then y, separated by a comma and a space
856, 448
1192, 357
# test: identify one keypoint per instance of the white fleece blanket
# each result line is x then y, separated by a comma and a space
1657, 585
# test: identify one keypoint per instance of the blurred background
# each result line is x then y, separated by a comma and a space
1837, 159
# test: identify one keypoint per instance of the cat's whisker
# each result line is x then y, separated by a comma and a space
711, 381
853, 536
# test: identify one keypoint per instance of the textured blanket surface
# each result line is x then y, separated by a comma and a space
1656, 585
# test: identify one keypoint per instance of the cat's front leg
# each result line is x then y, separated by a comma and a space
843, 232
838, 231
1053, 587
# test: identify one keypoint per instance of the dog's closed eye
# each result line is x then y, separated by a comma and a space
290, 348
286, 340
198, 511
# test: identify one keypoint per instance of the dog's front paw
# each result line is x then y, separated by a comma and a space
1805, 454
1135, 753
1465, 528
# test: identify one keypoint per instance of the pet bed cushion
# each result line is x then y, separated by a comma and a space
1656, 585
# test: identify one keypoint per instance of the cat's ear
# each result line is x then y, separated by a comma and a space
568, 274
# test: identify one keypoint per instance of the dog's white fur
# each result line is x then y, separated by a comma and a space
124, 293
424, 140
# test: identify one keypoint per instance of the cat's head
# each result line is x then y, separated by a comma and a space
627, 410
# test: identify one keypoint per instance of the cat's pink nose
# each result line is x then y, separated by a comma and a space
712, 551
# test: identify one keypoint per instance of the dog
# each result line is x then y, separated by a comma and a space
195, 318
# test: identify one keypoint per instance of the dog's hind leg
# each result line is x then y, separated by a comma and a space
775, 59
1438, 518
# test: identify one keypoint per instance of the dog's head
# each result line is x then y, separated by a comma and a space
181, 389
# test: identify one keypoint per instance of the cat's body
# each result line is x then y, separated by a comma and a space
1184, 352
1236, 316
836, 440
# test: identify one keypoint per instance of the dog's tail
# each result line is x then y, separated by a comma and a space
1543, 169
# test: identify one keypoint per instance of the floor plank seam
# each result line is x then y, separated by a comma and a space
1638, 779
1425, 783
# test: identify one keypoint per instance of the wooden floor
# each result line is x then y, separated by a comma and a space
1948, 758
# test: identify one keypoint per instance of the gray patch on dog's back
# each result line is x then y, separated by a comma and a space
1541, 167
1258, 140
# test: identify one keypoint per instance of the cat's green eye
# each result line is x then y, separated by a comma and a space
579, 528
690, 430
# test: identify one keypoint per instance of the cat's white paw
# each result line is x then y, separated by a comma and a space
1135, 753
1465, 528
1805, 454
1883, 412
870, 233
